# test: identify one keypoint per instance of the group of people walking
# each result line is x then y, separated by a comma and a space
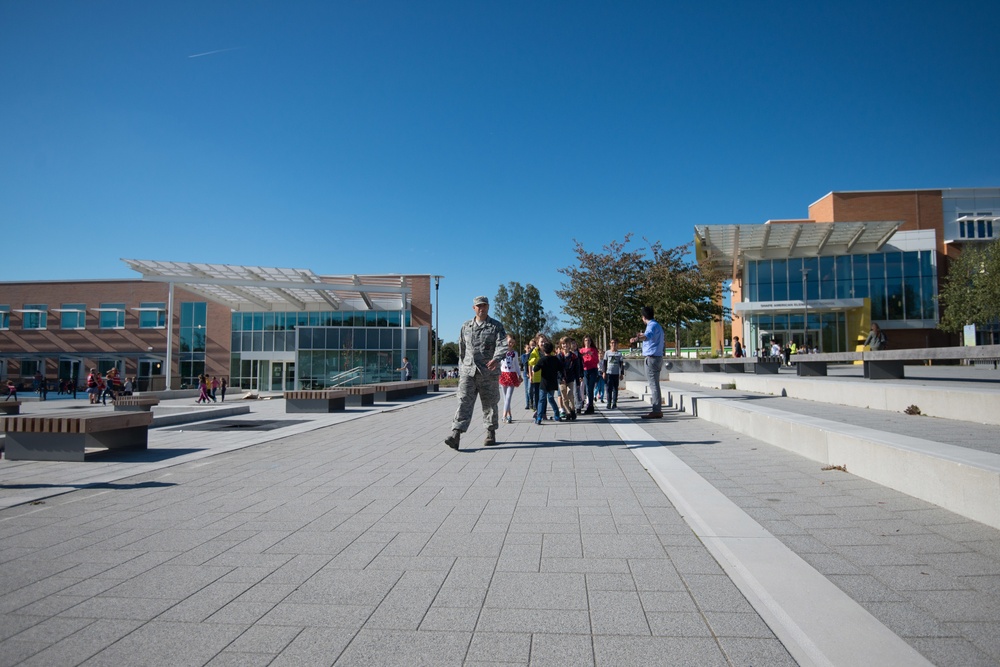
209, 387
568, 378
101, 387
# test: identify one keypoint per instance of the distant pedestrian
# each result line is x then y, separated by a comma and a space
876, 338
652, 350
214, 387
406, 370
11, 391
613, 364
550, 370
591, 358
510, 376
223, 385
738, 347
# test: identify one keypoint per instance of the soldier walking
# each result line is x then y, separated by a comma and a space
481, 346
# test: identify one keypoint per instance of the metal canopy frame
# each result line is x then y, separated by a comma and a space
242, 288
730, 245
254, 288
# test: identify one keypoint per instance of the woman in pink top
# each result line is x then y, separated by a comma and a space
591, 358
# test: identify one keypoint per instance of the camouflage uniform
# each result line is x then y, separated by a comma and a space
477, 345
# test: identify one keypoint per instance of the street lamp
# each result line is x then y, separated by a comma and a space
437, 328
805, 305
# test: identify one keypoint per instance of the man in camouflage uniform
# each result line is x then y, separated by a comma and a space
481, 347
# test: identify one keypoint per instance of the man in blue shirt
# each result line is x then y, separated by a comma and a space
652, 350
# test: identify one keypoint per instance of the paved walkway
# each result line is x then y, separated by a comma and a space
361, 539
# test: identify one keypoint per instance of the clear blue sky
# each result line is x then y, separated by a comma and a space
469, 139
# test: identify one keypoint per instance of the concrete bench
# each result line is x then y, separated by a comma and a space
135, 403
359, 395
761, 365
10, 407
888, 364
316, 400
69, 437
393, 391
815, 365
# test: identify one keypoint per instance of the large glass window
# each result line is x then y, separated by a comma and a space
72, 316
192, 335
152, 315
4, 317
112, 315
827, 281
35, 315
779, 278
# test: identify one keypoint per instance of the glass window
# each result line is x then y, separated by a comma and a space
911, 299
810, 265
268, 321
827, 284
927, 294
152, 315
73, 316
764, 283
845, 286
752, 280
779, 278
35, 315
795, 279
392, 318
4, 317
29, 367
112, 316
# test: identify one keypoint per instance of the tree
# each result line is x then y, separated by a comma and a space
449, 354
602, 292
519, 309
681, 291
971, 290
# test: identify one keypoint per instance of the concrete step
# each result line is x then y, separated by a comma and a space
961, 480
979, 401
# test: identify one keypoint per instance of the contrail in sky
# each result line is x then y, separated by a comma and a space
209, 53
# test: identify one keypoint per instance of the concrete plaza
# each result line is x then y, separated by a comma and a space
358, 538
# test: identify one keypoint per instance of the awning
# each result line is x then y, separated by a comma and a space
243, 288
728, 246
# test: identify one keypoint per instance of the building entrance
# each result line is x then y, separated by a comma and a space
282, 376
807, 337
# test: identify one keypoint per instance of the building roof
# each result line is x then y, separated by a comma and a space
244, 288
727, 246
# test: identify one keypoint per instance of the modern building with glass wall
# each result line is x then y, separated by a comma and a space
265, 329
859, 257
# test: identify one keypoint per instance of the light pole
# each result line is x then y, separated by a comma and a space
437, 328
805, 306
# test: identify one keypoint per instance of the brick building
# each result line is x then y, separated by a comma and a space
263, 328
858, 257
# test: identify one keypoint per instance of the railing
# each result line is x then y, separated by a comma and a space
346, 377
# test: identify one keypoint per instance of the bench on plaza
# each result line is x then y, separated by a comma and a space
888, 364
815, 365
70, 437
359, 395
394, 391
316, 400
135, 403
10, 407
761, 365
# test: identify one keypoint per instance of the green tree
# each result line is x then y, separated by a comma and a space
449, 354
681, 291
519, 309
971, 290
602, 291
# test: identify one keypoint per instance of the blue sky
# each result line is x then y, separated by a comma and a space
468, 139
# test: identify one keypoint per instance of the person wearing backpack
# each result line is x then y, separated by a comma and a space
876, 338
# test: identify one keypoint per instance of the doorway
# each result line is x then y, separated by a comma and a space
282, 376
69, 369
